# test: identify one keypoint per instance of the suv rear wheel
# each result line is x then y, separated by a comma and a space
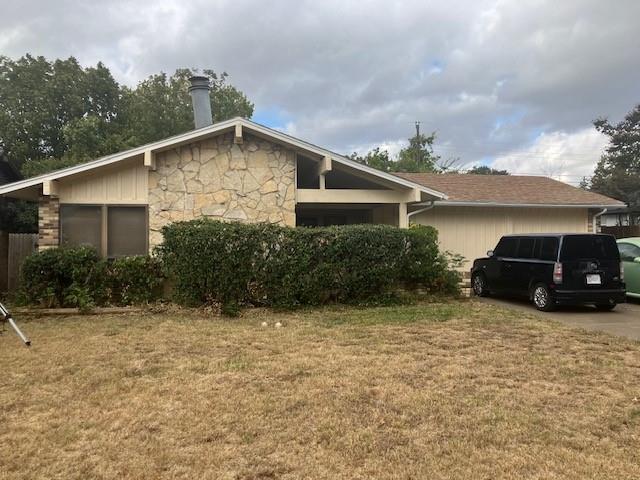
479, 285
542, 298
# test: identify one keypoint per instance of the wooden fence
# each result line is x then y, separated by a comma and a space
19, 247
622, 231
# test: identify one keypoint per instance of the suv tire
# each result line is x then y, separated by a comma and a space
479, 285
542, 298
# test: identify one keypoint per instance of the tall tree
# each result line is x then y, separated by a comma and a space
56, 113
485, 170
617, 173
375, 158
39, 99
160, 106
418, 156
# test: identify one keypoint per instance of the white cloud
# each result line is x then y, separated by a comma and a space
487, 75
564, 156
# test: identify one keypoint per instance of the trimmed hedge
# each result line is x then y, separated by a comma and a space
262, 264
78, 277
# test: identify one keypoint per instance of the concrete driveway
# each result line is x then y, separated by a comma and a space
624, 321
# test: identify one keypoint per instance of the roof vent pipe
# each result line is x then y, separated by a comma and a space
199, 91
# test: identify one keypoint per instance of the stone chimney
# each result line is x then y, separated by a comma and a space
199, 91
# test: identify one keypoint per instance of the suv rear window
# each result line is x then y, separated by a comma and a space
580, 247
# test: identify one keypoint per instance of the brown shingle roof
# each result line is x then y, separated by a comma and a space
508, 189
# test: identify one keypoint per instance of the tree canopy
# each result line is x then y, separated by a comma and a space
56, 113
375, 158
418, 156
617, 173
486, 170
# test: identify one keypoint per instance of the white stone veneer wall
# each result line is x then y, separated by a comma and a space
252, 182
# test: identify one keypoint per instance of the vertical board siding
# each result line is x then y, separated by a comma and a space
471, 231
126, 183
21, 245
4, 260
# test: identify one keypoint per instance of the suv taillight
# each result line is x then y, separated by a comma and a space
557, 273
621, 272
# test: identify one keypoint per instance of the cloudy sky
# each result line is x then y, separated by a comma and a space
513, 84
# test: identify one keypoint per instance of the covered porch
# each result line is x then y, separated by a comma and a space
330, 193
327, 214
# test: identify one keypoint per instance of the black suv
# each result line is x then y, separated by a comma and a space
553, 269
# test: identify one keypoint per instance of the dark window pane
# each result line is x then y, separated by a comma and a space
126, 231
81, 225
549, 248
506, 247
628, 252
586, 247
525, 248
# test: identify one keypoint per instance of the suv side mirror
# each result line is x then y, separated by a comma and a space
490, 253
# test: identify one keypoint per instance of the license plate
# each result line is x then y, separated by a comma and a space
594, 279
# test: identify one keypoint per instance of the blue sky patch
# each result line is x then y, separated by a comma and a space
272, 117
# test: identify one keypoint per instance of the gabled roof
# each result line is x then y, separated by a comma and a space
211, 130
509, 190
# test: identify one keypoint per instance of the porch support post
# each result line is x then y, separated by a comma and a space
403, 219
324, 167
48, 222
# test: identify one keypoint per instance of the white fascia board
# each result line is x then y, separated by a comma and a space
207, 131
515, 205
301, 144
117, 157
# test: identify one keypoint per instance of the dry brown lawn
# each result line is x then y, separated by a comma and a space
452, 390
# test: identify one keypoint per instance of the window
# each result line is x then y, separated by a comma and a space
525, 247
81, 225
506, 247
113, 230
549, 249
628, 252
586, 247
126, 231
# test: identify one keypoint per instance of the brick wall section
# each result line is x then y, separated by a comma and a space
48, 222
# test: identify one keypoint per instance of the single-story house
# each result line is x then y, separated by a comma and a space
621, 217
240, 170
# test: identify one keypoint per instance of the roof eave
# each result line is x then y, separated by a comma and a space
521, 205
194, 135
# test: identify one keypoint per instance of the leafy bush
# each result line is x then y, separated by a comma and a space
60, 277
134, 280
78, 277
262, 264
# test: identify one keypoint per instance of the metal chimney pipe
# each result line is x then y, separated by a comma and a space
199, 91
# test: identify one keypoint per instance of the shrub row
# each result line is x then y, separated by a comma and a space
269, 265
78, 277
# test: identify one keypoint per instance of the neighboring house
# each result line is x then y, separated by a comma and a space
240, 170
621, 217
